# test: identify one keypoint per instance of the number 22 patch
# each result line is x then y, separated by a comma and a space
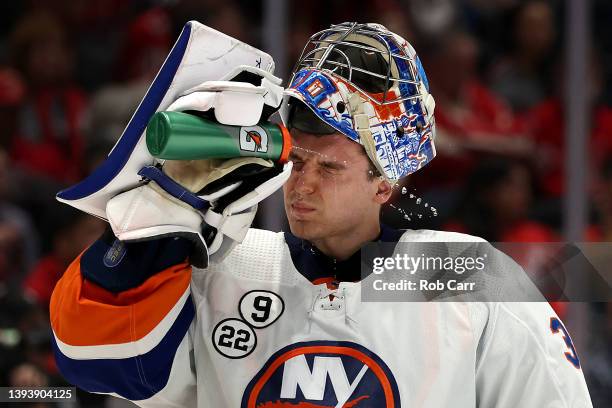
236, 338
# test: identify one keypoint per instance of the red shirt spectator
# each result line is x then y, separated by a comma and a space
470, 120
547, 125
49, 141
48, 137
41, 281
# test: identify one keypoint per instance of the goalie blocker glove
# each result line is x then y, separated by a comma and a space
215, 219
210, 202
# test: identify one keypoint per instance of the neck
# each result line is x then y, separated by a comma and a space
342, 246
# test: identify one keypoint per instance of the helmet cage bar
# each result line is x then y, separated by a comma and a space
339, 64
328, 50
308, 58
362, 46
376, 101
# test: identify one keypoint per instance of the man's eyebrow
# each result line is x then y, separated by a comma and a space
295, 155
333, 164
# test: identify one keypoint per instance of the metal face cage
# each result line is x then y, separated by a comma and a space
366, 55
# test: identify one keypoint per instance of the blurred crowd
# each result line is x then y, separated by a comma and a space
73, 71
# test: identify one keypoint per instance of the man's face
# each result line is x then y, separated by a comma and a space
329, 193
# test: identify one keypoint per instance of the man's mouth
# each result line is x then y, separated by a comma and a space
301, 209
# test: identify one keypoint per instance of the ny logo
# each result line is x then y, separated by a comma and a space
296, 374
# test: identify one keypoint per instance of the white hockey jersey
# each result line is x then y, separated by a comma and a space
254, 332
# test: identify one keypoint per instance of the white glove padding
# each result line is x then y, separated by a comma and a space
212, 202
216, 218
235, 103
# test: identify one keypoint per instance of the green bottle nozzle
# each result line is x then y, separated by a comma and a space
183, 136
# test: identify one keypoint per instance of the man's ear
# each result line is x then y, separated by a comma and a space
383, 191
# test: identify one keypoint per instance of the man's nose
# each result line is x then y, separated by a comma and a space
306, 179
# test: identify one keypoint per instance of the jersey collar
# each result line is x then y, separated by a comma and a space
316, 266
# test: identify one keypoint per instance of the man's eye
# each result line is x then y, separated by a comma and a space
297, 164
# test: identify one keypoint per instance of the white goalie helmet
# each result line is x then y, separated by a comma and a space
368, 83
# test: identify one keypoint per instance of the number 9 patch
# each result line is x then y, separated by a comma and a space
261, 308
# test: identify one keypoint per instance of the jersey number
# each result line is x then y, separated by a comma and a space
260, 308
227, 339
261, 304
572, 357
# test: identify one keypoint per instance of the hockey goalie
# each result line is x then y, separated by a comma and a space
181, 304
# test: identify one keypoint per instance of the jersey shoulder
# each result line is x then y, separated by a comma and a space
425, 235
262, 255
537, 319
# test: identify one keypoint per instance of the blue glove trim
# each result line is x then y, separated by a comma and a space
173, 188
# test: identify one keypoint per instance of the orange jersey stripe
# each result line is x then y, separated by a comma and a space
84, 314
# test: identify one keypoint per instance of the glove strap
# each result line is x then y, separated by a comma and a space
173, 188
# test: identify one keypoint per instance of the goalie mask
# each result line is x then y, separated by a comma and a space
368, 83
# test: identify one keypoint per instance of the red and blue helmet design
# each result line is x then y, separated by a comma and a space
368, 83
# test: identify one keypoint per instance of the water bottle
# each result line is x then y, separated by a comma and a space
184, 136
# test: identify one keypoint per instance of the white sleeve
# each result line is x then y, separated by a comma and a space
527, 359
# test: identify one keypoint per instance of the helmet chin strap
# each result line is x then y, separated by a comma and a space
428, 101
361, 123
